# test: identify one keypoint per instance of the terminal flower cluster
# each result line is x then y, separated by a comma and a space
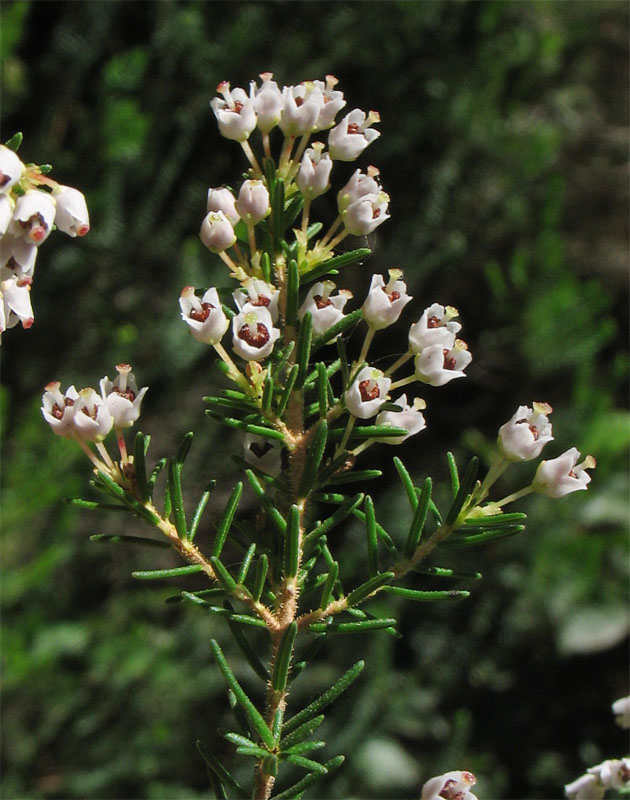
31, 204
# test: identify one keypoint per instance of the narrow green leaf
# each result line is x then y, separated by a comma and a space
339, 327
178, 598
494, 520
248, 427
93, 505
248, 651
335, 498
184, 448
288, 388
283, 658
116, 491
247, 560
343, 360
268, 388
305, 337
221, 611
482, 538
241, 404
372, 539
237, 738
371, 432
333, 573
270, 765
443, 572
322, 389
367, 588
452, 468
293, 286
277, 211
414, 594
265, 266
381, 533
355, 476
175, 487
15, 141
256, 752
306, 763
314, 456
292, 543
272, 512
293, 208
465, 488
222, 774
156, 472
175, 572
342, 513
352, 627
201, 505
305, 747
225, 522
139, 468
222, 573
407, 483
300, 787
299, 732
116, 539
418, 520
269, 168
337, 263
276, 725
261, 574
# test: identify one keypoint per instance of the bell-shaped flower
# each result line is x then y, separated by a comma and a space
349, 139
333, 102
217, 232
301, 107
122, 396
614, 773
436, 326
455, 785
360, 185
437, 366
92, 417
34, 215
621, 710
563, 475
385, 301
526, 433
367, 393
366, 214
72, 214
325, 309
204, 316
11, 168
7, 205
253, 334
267, 102
313, 178
262, 453
253, 201
586, 787
15, 302
234, 111
222, 199
18, 255
255, 292
58, 409
410, 418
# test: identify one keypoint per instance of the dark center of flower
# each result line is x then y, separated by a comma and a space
90, 413
259, 450
449, 362
376, 213
448, 791
353, 128
321, 302
36, 221
433, 322
128, 393
392, 295
533, 429
238, 107
4, 179
257, 339
299, 101
12, 263
261, 301
368, 392
202, 314
57, 411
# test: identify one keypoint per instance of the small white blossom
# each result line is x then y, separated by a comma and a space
360, 185
262, 453
217, 232
325, 309
586, 787
437, 366
301, 107
385, 302
11, 168
255, 292
523, 437
204, 316
7, 205
18, 255
122, 396
15, 302
222, 199
563, 475
253, 334
333, 102
349, 139
621, 710
614, 773
58, 409
366, 214
72, 214
92, 418
367, 393
314, 174
253, 201
409, 418
453, 785
267, 102
234, 112
34, 215
436, 326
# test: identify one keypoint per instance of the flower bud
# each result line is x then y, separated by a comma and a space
34, 216
253, 201
367, 393
325, 310
313, 176
234, 112
437, 366
435, 327
366, 214
267, 102
409, 418
92, 418
301, 107
526, 433
217, 232
453, 785
353, 134
253, 333
122, 396
58, 409
563, 475
223, 200
385, 302
255, 292
72, 214
15, 302
205, 317
11, 168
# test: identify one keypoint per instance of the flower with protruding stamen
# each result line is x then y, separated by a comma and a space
453, 785
325, 309
267, 102
621, 710
360, 185
11, 168
313, 176
15, 302
410, 418
255, 292
385, 302
301, 107
253, 334
18, 255
217, 232
222, 199
365, 214
58, 409
204, 316
122, 396
437, 366
563, 475
436, 326
333, 102
349, 139
367, 393
72, 214
526, 433
34, 215
234, 112
92, 418
264, 454
253, 201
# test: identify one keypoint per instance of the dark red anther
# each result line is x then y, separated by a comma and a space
203, 314
238, 107
449, 363
57, 411
433, 322
368, 394
353, 128
534, 432
392, 295
4, 179
299, 101
258, 339
321, 302
88, 413
376, 213
128, 393
261, 301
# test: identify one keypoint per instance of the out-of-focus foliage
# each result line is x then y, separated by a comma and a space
504, 149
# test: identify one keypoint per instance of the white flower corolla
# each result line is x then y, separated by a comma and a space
349, 139
526, 433
34, 215
7, 205
92, 417
255, 292
325, 309
313, 178
563, 475
453, 785
222, 199
614, 773
366, 214
586, 787
437, 366
367, 393
15, 302
253, 334
72, 214
234, 112
58, 409
204, 316
217, 232
301, 107
409, 418
360, 185
122, 396
11, 168
385, 301
333, 102
435, 326
253, 201
267, 102
262, 453
621, 710
18, 255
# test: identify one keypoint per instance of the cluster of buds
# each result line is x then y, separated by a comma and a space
455, 785
31, 204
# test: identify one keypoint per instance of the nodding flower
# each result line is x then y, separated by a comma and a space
385, 302
204, 316
72, 214
437, 365
367, 393
325, 308
524, 435
354, 133
563, 475
234, 111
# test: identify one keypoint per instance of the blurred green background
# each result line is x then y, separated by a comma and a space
504, 149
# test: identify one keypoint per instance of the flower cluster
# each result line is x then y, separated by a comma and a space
31, 203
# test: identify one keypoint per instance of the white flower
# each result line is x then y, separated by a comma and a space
360, 185
366, 214
15, 302
253, 334
409, 418
11, 168
353, 134
267, 102
526, 433
92, 418
234, 112
313, 176
437, 366
262, 453
385, 302
333, 102
217, 232
253, 201
453, 785
205, 317
223, 200
614, 773
34, 215
7, 204
17, 255
435, 326
301, 107
58, 409
325, 310
587, 787
621, 710
563, 475
122, 396
72, 214
255, 292
367, 393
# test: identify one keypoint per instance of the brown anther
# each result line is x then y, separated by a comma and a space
57, 411
534, 432
449, 363
4, 179
299, 101
203, 314
258, 339
321, 302
12, 263
368, 393
572, 474
392, 295
131, 396
433, 322
624, 773
259, 450
238, 107
129, 471
353, 128
88, 413
261, 301
376, 213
